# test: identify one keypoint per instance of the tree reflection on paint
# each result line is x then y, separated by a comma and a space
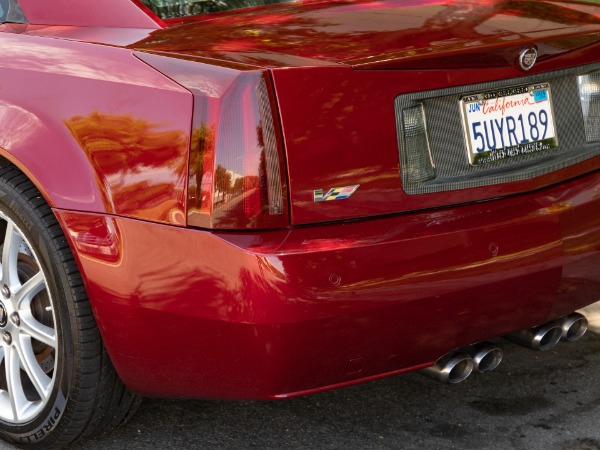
229, 197
140, 166
340, 31
202, 155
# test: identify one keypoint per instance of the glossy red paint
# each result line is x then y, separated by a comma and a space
347, 124
111, 13
383, 34
359, 103
271, 314
118, 145
236, 171
110, 134
118, 37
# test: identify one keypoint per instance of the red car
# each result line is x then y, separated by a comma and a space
255, 199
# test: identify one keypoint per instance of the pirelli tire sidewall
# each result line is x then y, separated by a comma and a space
41, 428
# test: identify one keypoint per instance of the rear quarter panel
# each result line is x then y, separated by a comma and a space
95, 128
116, 13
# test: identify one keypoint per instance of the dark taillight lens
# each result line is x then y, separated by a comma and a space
589, 93
417, 164
236, 171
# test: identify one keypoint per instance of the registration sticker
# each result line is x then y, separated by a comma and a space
508, 123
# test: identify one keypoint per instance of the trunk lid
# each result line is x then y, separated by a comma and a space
345, 72
382, 34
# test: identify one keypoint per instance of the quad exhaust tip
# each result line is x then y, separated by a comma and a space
486, 356
483, 357
574, 326
451, 368
540, 338
568, 328
458, 365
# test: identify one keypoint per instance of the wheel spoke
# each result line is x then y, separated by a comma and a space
29, 323
38, 377
10, 251
13, 381
29, 290
32, 327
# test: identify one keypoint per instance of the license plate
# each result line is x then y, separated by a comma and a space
508, 123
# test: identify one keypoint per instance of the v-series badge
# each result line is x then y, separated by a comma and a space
337, 193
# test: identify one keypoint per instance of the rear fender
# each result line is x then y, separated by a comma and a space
94, 128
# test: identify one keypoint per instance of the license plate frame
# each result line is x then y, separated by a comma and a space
508, 123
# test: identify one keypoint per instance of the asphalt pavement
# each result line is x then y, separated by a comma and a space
534, 400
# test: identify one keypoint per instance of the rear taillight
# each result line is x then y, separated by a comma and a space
417, 164
236, 171
589, 93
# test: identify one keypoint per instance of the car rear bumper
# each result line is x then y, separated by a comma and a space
192, 313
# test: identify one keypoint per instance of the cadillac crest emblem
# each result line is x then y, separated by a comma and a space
527, 58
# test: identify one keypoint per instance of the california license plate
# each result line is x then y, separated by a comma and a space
508, 123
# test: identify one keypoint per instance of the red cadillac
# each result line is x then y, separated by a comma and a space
260, 199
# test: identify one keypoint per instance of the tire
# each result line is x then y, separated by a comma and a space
57, 383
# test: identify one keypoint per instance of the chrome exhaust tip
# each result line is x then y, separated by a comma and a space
574, 326
540, 338
486, 356
451, 368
